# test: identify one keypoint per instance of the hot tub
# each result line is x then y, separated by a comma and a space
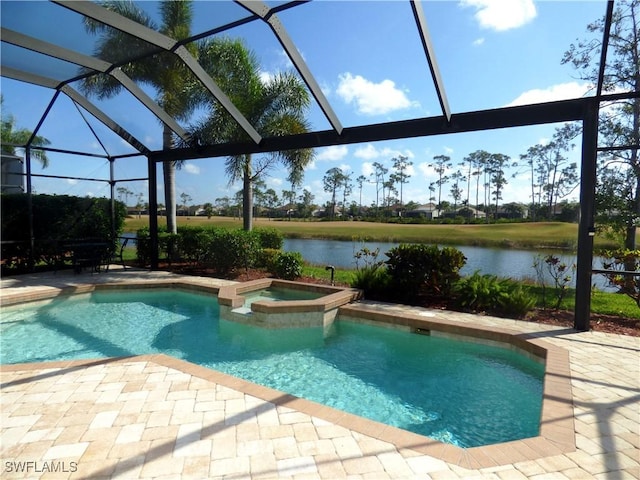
272, 303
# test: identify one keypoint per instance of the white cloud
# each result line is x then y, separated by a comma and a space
448, 150
71, 181
561, 91
333, 153
266, 77
345, 168
367, 169
426, 169
372, 98
275, 182
191, 169
478, 41
501, 15
369, 152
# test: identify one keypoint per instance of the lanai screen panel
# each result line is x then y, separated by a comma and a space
364, 62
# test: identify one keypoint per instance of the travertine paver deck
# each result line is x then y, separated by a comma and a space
158, 417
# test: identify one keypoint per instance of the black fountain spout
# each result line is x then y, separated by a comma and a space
333, 271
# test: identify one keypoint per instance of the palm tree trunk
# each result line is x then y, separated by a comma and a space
247, 196
169, 175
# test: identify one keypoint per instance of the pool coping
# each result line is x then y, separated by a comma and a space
557, 430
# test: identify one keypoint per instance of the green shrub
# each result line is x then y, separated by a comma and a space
373, 281
193, 244
270, 238
518, 302
168, 246
233, 249
490, 294
143, 246
480, 293
288, 265
56, 219
266, 258
417, 268
59, 217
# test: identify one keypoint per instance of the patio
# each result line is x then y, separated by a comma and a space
154, 416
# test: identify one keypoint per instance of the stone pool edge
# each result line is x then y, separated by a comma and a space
557, 431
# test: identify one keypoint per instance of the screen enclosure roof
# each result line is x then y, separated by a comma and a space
48, 45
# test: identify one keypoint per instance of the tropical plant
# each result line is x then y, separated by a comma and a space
288, 265
12, 136
617, 262
490, 294
373, 280
165, 72
418, 268
559, 271
274, 106
270, 238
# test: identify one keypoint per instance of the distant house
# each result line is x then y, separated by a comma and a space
428, 211
513, 211
470, 212
136, 211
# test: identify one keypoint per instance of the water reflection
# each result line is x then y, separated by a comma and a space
516, 264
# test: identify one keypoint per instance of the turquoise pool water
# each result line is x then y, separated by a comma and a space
275, 294
457, 392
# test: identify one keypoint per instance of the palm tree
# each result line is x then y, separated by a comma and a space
10, 136
275, 107
164, 71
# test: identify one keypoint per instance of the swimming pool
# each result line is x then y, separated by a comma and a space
457, 392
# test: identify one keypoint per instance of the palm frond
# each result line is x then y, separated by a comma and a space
234, 167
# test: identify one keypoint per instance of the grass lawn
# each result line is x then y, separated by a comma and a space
507, 235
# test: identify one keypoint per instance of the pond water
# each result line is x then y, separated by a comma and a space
516, 264
512, 263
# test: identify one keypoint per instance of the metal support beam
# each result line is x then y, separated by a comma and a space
51, 50
112, 203
32, 240
26, 77
259, 8
148, 102
104, 118
153, 212
93, 63
605, 45
215, 90
112, 19
126, 25
552, 112
427, 45
586, 228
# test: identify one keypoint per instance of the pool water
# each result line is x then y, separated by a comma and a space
279, 295
461, 393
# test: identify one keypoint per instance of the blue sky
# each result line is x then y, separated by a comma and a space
367, 58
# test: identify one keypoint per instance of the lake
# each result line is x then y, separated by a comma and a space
516, 264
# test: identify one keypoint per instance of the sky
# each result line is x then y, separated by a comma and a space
367, 58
